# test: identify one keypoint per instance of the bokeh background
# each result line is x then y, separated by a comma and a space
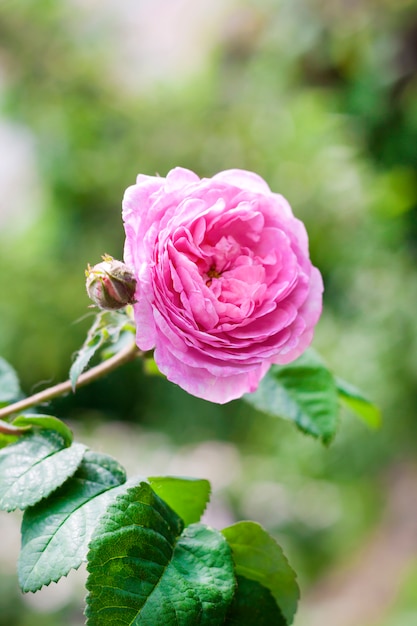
320, 98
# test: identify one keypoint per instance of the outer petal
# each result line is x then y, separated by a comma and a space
244, 180
310, 312
312, 307
145, 325
199, 382
180, 177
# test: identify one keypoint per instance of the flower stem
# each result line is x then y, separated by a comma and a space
124, 356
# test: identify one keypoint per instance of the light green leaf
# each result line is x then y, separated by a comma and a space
85, 354
34, 467
354, 400
258, 557
145, 571
108, 328
6, 440
188, 497
253, 605
45, 421
304, 392
56, 532
150, 368
9, 384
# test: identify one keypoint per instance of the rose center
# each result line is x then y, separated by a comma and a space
212, 273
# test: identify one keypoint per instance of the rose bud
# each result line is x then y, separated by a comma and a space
110, 284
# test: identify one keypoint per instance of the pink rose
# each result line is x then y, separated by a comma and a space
225, 285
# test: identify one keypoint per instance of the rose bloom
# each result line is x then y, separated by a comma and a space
225, 285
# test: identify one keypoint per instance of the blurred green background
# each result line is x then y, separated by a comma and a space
320, 98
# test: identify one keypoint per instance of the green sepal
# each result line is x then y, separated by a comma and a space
144, 569
56, 532
257, 556
188, 497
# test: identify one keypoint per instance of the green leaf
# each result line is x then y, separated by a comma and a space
9, 384
354, 400
56, 532
188, 497
150, 368
258, 557
107, 328
6, 440
34, 467
304, 392
45, 421
85, 354
28, 450
253, 605
144, 570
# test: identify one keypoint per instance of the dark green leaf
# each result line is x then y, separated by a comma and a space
253, 605
351, 397
45, 421
188, 497
34, 467
145, 571
258, 557
56, 532
304, 392
9, 384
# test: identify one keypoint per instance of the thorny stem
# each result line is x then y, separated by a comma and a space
124, 356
